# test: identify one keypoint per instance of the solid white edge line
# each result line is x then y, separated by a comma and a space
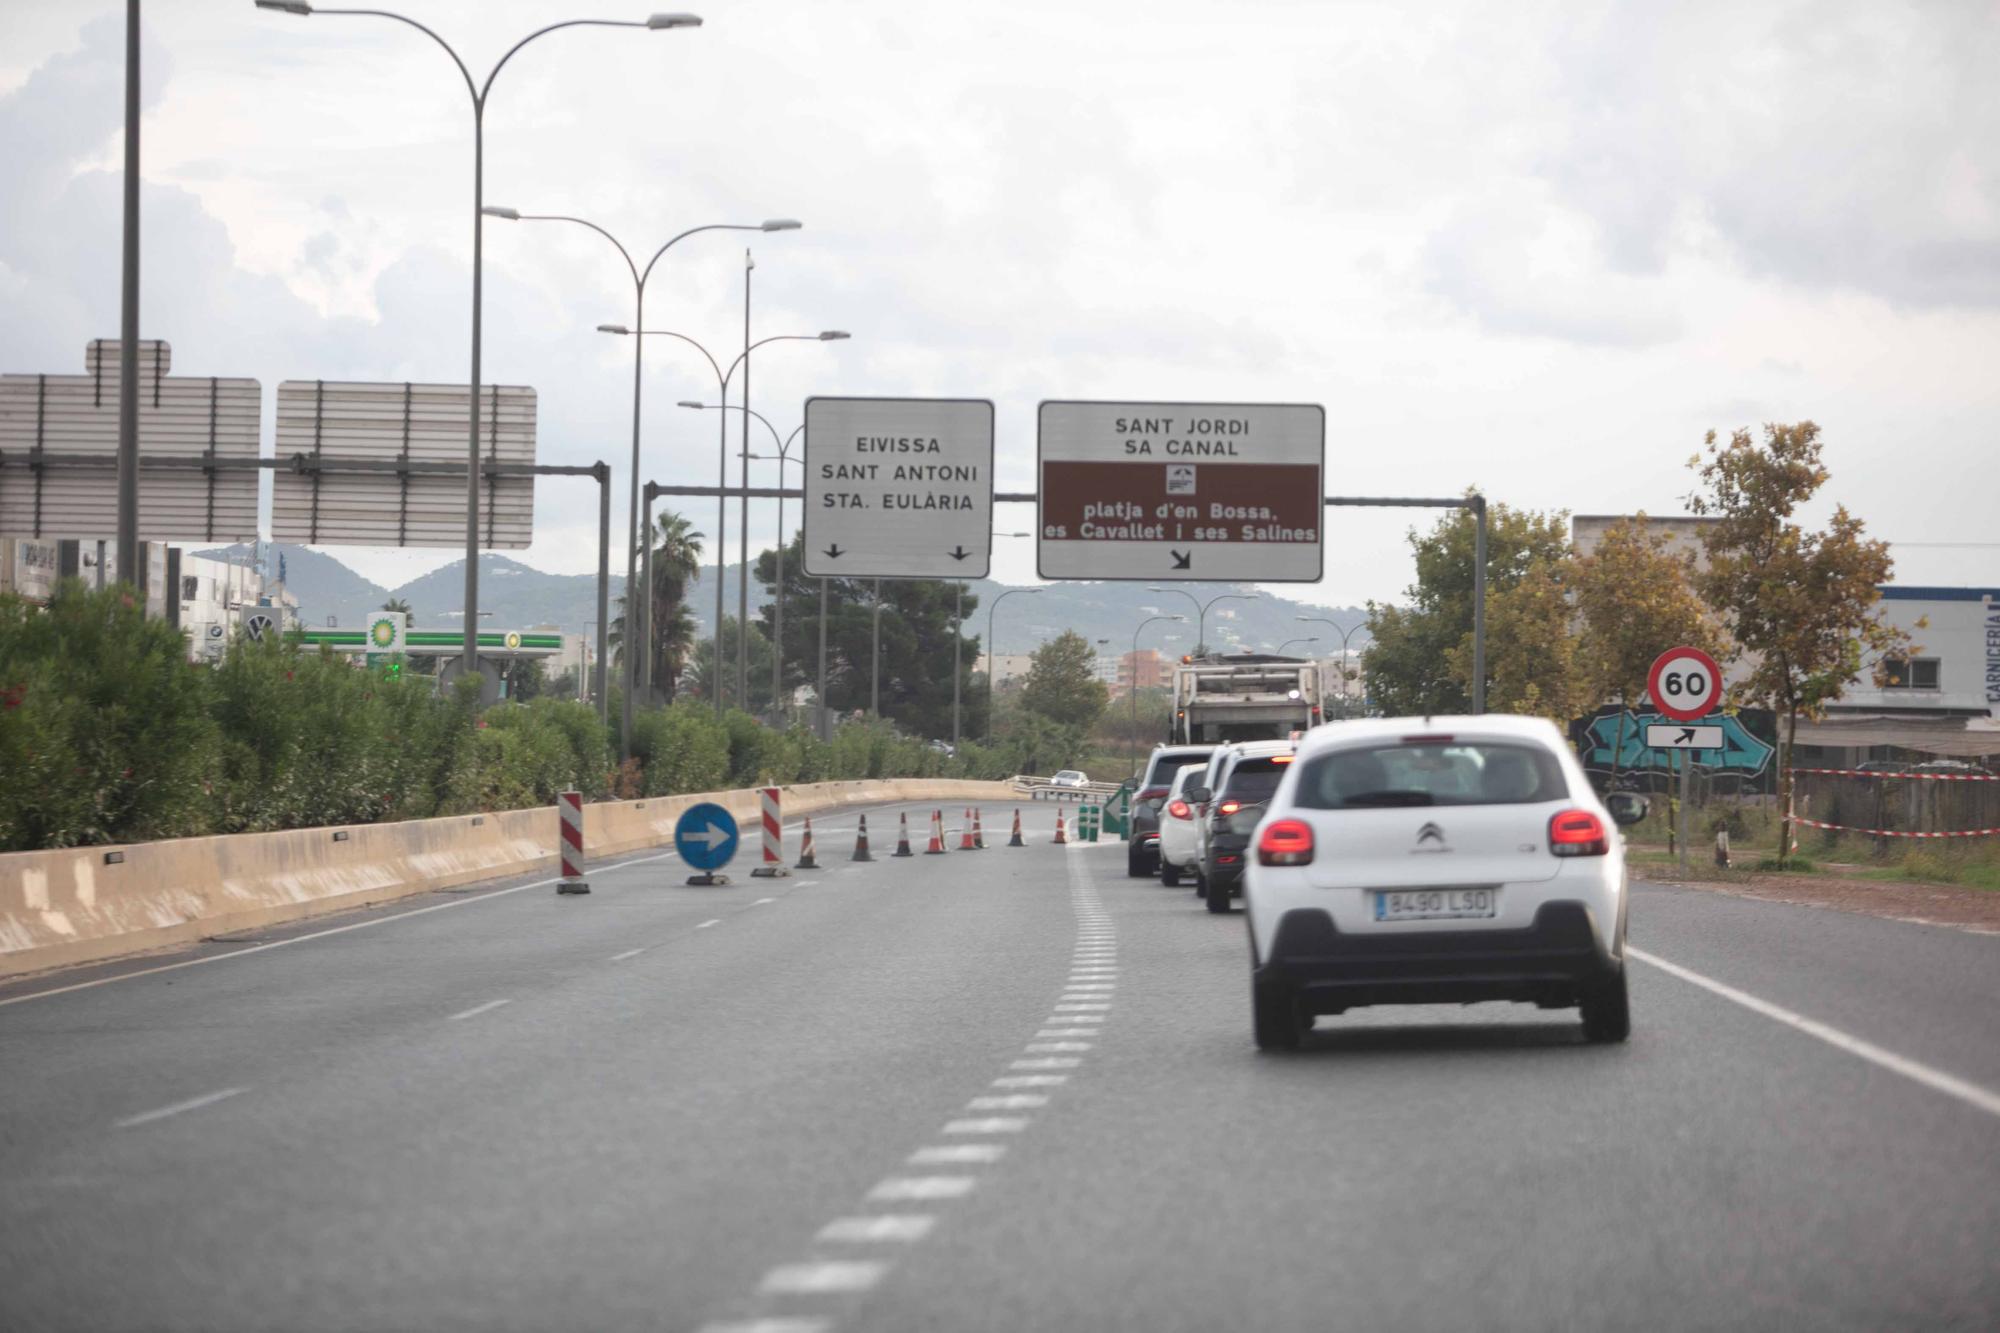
478, 1009
315, 935
1985, 1099
191, 1104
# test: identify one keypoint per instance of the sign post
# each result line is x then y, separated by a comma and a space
1686, 685
705, 836
899, 488
1194, 492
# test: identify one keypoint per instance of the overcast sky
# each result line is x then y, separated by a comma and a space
1537, 248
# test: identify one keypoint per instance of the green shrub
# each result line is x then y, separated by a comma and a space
681, 747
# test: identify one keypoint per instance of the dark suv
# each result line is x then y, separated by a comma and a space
1142, 853
1248, 778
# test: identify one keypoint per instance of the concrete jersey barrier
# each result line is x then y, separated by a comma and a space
80, 904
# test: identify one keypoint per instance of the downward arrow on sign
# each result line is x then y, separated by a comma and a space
834, 552
713, 835
959, 554
1182, 559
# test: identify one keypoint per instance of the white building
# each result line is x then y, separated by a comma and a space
1942, 696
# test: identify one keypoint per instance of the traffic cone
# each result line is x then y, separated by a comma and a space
806, 860
965, 833
1062, 835
978, 832
1016, 840
903, 838
937, 834
861, 842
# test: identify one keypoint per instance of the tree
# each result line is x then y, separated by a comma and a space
1062, 683
1801, 605
1636, 599
401, 604
1533, 667
1409, 660
916, 645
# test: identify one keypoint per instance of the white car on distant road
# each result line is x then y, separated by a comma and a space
1070, 777
1438, 860
1180, 847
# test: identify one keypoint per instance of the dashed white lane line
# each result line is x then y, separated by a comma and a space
629, 953
1019, 1101
191, 1104
992, 1124
1047, 1062
1055, 1047
834, 1275
1067, 1032
761, 901
712, 921
769, 1326
880, 1227
959, 1154
477, 1010
1972, 1094
902, 1189
1031, 1081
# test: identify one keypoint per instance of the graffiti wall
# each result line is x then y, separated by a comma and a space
1749, 745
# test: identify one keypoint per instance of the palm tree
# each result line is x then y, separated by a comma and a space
401, 604
676, 565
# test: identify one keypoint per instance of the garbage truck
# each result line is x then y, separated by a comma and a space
1244, 697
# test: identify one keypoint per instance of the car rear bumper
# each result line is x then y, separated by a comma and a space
1548, 963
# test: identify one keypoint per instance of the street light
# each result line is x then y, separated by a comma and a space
781, 458
639, 277
1201, 621
1289, 642
1344, 633
722, 378
479, 94
993, 658
1135, 684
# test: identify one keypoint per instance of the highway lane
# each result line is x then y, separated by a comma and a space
1005, 1090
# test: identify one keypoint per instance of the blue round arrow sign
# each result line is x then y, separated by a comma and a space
705, 836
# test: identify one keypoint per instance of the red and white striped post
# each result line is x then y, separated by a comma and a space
569, 805
774, 837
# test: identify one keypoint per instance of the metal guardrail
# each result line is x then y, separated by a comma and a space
1041, 789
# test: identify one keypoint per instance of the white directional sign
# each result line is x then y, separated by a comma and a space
1201, 492
1683, 738
899, 488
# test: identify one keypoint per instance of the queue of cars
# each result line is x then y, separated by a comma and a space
1441, 860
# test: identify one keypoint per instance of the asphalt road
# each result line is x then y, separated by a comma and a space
1004, 1090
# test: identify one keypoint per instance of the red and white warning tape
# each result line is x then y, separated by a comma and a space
1898, 833
1910, 777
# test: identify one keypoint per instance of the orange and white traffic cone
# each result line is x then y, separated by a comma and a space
937, 834
1062, 834
965, 833
903, 837
806, 860
978, 832
1017, 840
861, 842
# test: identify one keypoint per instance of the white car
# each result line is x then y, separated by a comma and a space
1069, 777
1438, 860
1180, 847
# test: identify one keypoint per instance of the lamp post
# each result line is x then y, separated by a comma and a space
1289, 642
782, 457
722, 378
480, 93
1135, 684
1343, 653
1201, 620
993, 658
639, 278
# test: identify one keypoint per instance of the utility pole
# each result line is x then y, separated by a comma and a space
128, 332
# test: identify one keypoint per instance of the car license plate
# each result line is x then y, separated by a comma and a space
1435, 904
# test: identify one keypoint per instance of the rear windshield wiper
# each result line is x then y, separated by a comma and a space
1391, 798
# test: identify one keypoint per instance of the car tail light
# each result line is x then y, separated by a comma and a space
1288, 842
1179, 810
1228, 807
1578, 833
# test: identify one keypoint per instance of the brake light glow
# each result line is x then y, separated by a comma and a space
1228, 807
1283, 758
1287, 842
1578, 833
1179, 810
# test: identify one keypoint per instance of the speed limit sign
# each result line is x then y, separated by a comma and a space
1685, 684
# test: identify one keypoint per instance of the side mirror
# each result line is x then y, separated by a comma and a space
1626, 807
1198, 795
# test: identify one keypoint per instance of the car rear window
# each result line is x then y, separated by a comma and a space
1431, 773
1253, 780
1168, 762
